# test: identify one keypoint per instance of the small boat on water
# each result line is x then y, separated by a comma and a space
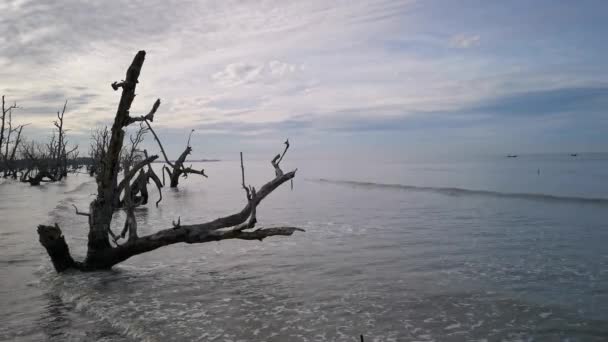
573, 154
512, 156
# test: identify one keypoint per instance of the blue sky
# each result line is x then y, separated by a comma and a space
340, 78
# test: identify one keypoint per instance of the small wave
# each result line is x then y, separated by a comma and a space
16, 261
80, 186
469, 192
84, 304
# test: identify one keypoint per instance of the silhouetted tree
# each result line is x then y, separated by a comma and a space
100, 140
176, 169
48, 162
100, 253
9, 153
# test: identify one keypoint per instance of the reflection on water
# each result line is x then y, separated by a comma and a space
392, 265
54, 319
141, 214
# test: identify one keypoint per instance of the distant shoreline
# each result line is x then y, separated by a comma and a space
193, 161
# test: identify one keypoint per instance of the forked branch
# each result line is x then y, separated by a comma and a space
147, 117
177, 168
277, 159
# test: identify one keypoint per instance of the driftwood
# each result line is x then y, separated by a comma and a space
176, 169
100, 253
38, 164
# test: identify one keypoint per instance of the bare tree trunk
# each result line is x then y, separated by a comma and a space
10, 157
100, 253
52, 239
177, 168
3, 120
2, 123
101, 208
5, 110
59, 154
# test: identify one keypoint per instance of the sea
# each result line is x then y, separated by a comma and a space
477, 249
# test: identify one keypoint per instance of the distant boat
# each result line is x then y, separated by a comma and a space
573, 154
512, 156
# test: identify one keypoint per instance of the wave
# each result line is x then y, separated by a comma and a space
91, 307
81, 186
470, 192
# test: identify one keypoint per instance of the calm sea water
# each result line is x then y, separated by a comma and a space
485, 250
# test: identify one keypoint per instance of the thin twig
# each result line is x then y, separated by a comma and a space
80, 212
248, 194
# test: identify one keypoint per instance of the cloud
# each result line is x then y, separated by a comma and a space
235, 74
463, 41
274, 66
575, 100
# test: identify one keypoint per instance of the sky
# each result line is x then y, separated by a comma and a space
341, 79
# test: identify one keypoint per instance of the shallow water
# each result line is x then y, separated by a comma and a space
494, 249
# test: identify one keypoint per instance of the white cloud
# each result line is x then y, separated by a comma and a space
241, 73
464, 41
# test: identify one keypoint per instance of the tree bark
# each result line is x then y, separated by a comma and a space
101, 208
52, 239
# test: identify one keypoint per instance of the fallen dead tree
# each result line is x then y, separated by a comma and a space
100, 252
176, 169
38, 164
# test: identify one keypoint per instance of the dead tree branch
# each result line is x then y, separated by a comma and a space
80, 212
177, 168
247, 192
147, 117
277, 159
162, 149
100, 253
5, 110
